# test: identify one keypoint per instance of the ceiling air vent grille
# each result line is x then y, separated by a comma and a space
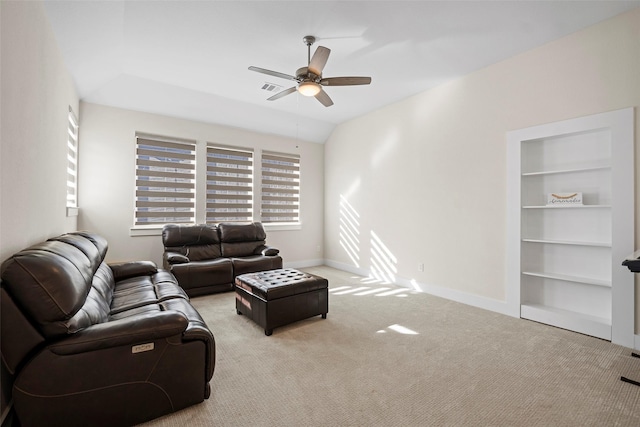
271, 87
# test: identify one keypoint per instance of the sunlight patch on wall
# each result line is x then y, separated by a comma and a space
385, 148
350, 231
383, 262
351, 190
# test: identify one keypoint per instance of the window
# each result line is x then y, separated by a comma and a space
280, 188
229, 184
233, 184
165, 181
72, 161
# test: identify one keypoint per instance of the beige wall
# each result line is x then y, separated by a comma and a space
426, 177
37, 91
107, 175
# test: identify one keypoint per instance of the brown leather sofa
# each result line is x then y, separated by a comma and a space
206, 258
90, 343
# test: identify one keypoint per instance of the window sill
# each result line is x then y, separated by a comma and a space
154, 230
281, 226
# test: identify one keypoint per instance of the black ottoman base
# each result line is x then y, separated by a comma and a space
279, 297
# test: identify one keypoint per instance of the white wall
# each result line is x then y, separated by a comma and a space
424, 180
37, 91
107, 177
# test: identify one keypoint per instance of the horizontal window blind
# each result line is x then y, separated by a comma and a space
165, 182
280, 188
229, 185
72, 161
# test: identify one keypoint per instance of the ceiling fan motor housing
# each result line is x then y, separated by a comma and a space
303, 74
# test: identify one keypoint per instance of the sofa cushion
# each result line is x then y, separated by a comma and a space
196, 242
98, 241
239, 240
204, 273
85, 245
96, 308
186, 234
232, 232
50, 281
139, 291
202, 252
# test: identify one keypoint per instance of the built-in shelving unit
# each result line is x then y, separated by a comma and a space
564, 262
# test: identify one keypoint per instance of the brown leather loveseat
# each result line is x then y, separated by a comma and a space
206, 258
91, 344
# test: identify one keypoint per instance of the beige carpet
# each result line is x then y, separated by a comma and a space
388, 356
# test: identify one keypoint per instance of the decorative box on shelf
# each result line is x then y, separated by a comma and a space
564, 199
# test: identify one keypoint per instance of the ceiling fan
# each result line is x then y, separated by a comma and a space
309, 78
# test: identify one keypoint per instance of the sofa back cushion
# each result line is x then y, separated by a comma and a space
196, 242
239, 240
50, 281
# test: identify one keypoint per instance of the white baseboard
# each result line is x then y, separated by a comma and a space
636, 342
451, 294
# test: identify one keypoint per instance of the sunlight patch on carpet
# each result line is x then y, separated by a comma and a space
399, 329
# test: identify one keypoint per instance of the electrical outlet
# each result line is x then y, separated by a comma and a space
421, 266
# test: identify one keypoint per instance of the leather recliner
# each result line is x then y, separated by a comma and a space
88, 343
206, 258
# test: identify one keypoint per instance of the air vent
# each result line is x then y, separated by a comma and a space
271, 87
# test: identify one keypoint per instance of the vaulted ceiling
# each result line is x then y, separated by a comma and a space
190, 59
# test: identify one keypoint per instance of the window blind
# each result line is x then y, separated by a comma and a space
229, 185
72, 161
280, 188
165, 182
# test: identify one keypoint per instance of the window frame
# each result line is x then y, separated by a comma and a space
72, 163
171, 151
280, 181
237, 171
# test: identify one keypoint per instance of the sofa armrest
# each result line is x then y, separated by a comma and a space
175, 258
125, 270
128, 331
267, 251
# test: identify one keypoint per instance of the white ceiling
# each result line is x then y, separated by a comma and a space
189, 59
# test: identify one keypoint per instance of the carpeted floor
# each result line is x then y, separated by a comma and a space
388, 356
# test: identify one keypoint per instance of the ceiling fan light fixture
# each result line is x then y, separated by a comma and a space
309, 88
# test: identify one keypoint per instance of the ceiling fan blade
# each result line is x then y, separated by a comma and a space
282, 93
324, 98
319, 60
345, 81
273, 73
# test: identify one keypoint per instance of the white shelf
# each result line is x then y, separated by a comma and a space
569, 278
567, 207
564, 261
568, 242
579, 322
573, 170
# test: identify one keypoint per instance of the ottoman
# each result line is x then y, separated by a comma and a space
278, 297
